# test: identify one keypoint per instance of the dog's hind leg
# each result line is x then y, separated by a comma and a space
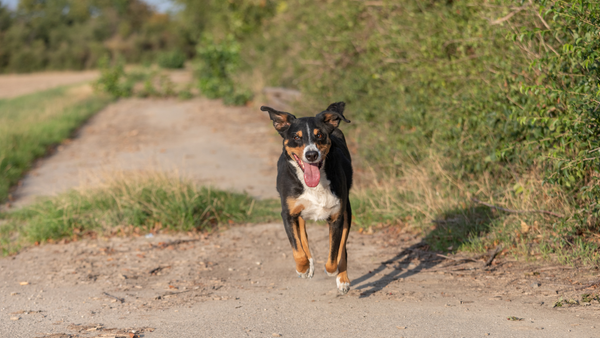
304, 265
337, 263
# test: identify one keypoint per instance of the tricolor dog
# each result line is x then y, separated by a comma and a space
314, 176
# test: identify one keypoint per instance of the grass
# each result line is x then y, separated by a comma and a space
31, 124
427, 200
130, 204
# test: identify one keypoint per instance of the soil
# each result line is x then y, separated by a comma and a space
241, 280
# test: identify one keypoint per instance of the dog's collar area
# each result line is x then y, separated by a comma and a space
301, 163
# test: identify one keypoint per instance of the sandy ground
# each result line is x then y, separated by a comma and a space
20, 84
241, 281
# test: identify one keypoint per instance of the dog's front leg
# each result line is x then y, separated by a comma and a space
295, 228
337, 263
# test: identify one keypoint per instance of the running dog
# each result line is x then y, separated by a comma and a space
314, 176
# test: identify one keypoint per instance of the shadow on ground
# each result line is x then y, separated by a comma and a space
450, 231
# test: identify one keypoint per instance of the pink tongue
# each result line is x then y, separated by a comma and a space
312, 174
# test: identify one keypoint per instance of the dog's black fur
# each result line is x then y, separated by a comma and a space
309, 143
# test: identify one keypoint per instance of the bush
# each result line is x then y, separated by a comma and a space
217, 62
112, 79
171, 59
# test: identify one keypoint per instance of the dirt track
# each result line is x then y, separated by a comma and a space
229, 148
242, 281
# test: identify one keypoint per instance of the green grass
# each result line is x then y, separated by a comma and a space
31, 124
127, 204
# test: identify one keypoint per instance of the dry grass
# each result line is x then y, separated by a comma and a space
428, 200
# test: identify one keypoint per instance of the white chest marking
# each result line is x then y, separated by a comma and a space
319, 202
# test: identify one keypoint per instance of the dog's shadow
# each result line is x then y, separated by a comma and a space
393, 269
462, 223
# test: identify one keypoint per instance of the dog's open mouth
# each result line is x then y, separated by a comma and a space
312, 172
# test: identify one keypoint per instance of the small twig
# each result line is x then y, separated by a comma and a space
518, 211
556, 268
588, 285
121, 300
160, 268
163, 245
510, 15
170, 293
493, 255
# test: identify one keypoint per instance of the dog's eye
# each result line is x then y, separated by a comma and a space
297, 138
319, 135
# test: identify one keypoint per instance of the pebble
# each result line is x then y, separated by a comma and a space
535, 285
15, 318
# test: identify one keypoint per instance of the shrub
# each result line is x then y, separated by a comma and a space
112, 79
174, 59
217, 62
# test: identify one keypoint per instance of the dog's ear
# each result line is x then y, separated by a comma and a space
281, 120
337, 107
333, 115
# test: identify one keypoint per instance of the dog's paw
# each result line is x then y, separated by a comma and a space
310, 272
343, 286
332, 274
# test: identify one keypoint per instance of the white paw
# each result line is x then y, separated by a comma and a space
332, 274
343, 288
310, 272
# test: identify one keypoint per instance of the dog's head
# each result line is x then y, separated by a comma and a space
307, 140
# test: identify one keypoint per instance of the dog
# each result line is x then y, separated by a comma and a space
314, 177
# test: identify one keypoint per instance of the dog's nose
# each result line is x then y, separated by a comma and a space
312, 155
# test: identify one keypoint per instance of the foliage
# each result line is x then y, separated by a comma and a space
173, 59
218, 27
146, 203
217, 63
73, 34
558, 110
112, 79
137, 81
30, 125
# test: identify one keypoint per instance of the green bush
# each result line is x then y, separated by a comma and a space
174, 59
558, 110
113, 79
217, 62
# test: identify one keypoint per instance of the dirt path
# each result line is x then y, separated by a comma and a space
13, 85
228, 147
241, 281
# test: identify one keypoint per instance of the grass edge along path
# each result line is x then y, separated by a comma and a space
30, 125
130, 203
